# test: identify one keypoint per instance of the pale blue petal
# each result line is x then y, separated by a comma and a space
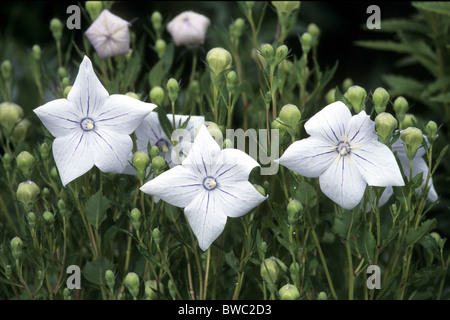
60, 117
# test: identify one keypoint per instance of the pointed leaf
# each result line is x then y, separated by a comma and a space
96, 208
94, 271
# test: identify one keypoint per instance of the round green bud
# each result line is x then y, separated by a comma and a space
236, 28
156, 19
156, 234
31, 219
306, 41
276, 124
263, 247
140, 161
227, 144
66, 294
322, 296
356, 95
313, 30
286, 7
400, 107
44, 150
294, 206
160, 47
157, 95
281, 53
49, 218
268, 53
380, 99
347, 83
409, 120
218, 60
54, 172
135, 214
110, 279
20, 131
94, 8
56, 28
132, 284
65, 82
431, 130
330, 96
16, 247
271, 269
412, 139
10, 115
172, 89
290, 115
6, 69
286, 66
6, 160
132, 95
153, 289
62, 72
66, 91
289, 292
385, 124
154, 151
25, 162
27, 193
213, 130
158, 163
36, 52
260, 189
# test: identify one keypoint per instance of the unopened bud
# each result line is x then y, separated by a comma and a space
36, 52
157, 95
347, 83
6, 160
322, 296
270, 269
218, 60
385, 124
136, 218
313, 30
132, 95
400, 107
154, 151
156, 234
227, 143
289, 292
156, 19
49, 218
281, 53
66, 91
110, 279
160, 47
27, 193
10, 115
140, 161
380, 99
431, 131
330, 97
173, 88
409, 120
44, 150
268, 53
294, 206
6, 69
356, 95
276, 124
260, 189
412, 139
16, 247
94, 8
31, 219
62, 72
25, 162
214, 130
290, 115
158, 163
153, 290
56, 28
132, 284
286, 7
306, 41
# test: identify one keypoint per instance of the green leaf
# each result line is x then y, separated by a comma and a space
366, 244
162, 67
440, 7
399, 24
404, 86
231, 260
164, 121
345, 222
94, 271
96, 208
412, 236
443, 98
439, 159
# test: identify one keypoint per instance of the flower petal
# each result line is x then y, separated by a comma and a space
203, 155
309, 157
330, 123
237, 198
87, 93
73, 155
377, 164
60, 117
177, 186
343, 183
206, 218
233, 165
112, 150
121, 113
361, 129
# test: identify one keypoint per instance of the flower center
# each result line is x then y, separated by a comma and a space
87, 124
163, 145
209, 183
343, 148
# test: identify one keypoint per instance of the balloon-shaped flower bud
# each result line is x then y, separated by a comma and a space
188, 28
135, 215
56, 28
132, 284
49, 218
20, 131
268, 53
31, 219
156, 235
330, 97
232, 80
289, 292
322, 296
16, 247
27, 193
356, 95
213, 130
236, 29
385, 124
25, 162
154, 151
412, 139
94, 8
290, 115
431, 130
400, 108
380, 99
271, 269
281, 53
36, 52
6, 69
153, 290
277, 124
260, 189
286, 7
306, 40
172, 89
157, 95
110, 279
156, 19
158, 163
66, 91
140, 161
313, 30
294, 206
160, 47
10, 114
409, 120
218, 60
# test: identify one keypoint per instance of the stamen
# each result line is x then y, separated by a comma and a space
209, 183
87, 124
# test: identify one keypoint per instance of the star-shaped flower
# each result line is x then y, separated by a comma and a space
344, 152
188, 28
419, 165
109, 35
91, 127
211, 184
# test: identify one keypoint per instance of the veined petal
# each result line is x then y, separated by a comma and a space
237, 198
177, 186
377, 164
309, 157
343, 183
206, 218
60, 117
361, 129
121, 113
203, 155
73, 155
112, 150
149, 130
330, 123
233, 165
87, 93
